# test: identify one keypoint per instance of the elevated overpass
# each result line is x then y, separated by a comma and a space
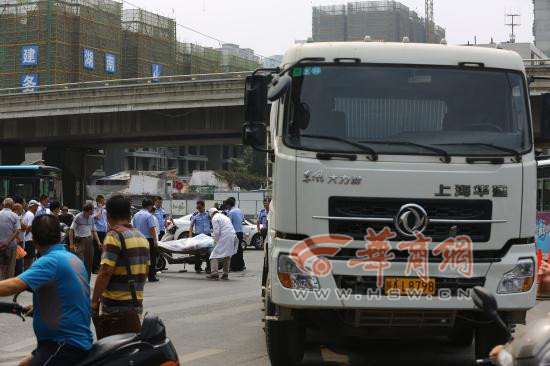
136, 111
72, 122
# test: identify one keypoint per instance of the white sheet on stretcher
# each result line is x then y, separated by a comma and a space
200, 241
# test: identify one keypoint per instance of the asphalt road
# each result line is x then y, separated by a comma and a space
218, 323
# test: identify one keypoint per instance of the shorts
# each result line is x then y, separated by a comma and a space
49, 353
30, 249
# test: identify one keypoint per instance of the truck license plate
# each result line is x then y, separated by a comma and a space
409, 286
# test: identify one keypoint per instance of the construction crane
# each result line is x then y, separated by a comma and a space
430, 24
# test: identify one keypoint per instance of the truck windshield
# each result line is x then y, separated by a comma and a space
463, 111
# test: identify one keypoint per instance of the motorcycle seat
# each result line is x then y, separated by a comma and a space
106, 346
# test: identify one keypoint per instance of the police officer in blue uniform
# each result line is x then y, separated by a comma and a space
261, 223
200, 224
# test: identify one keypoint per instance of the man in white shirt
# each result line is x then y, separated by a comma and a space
26, 225
225, 244
82, 236
10, 224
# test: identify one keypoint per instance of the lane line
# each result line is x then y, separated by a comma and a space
183, 305
194, 319
198, 355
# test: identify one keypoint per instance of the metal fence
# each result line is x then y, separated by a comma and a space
121, 83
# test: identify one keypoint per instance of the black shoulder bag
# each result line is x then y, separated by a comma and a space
124, 320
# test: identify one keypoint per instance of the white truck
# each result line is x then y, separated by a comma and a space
404, 175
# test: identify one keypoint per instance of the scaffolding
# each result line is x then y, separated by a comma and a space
57, 30
381, 20
234, 63
329, 23
148, 39
195, 59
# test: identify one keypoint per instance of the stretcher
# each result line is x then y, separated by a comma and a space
184, 251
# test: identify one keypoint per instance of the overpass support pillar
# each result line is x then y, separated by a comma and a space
12, 154
77, 166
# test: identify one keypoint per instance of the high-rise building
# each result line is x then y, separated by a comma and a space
388, 21
541, 28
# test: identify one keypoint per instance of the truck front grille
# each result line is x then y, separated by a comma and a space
363, 285
358, 318
388, 207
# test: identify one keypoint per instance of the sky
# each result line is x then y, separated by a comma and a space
269, 26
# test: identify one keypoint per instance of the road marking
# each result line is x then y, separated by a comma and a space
193, 319
198, 355
19, 345
185, 305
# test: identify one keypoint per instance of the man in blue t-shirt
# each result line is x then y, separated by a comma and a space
61, 299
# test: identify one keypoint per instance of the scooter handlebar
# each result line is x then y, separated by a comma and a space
12, 308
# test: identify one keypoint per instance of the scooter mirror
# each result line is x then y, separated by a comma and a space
484, 300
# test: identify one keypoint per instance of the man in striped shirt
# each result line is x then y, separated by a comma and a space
111, 288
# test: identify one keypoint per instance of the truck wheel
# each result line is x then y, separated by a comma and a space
285, 340
487, 337
462, 335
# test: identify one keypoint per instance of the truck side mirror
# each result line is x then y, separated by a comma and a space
255, 97
279, 86
254, 134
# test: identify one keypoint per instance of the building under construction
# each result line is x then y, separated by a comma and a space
45, 42
148, 44
388, 21
195, 59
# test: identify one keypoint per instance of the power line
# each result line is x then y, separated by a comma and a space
204, 34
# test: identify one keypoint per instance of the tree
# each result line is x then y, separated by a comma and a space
247, 172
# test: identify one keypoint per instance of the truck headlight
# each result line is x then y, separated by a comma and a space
292, 277
519, 279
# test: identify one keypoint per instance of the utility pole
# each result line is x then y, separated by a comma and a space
430, 24
513, 21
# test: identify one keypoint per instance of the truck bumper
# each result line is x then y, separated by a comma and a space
330, 295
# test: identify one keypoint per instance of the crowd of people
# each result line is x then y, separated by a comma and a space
63, 305
104, 239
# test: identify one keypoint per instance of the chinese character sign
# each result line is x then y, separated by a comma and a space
156, 71
110, 63
29, 83
88, 59
376, 256
457, 255
418, 256
29, 55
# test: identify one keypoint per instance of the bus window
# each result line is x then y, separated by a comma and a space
23, 189
4, 187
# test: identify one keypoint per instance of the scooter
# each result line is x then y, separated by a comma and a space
151, 347
530, 348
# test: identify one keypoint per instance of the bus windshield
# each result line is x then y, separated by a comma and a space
408, 110
30, 182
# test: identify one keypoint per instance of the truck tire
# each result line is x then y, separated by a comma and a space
285, 342
487, 337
